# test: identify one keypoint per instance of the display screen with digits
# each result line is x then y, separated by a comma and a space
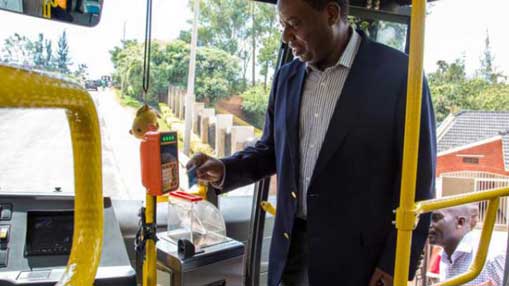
168, 138
169, 161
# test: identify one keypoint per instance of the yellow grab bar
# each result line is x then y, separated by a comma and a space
406, 216
451, 201
489, 223
46, 8
408, 211
268, 207
27, 89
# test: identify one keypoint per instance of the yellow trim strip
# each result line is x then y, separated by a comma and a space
27, 89
406, 217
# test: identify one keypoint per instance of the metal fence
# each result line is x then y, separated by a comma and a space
482, 181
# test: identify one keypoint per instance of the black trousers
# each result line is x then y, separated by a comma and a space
297, 263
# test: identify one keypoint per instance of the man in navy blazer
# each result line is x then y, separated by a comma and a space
335, 226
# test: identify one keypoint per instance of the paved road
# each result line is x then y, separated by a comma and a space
36, 153
115, 123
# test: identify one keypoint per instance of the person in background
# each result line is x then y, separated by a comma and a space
451, 229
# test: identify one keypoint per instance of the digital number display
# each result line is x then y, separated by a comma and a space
168, 138
169, 161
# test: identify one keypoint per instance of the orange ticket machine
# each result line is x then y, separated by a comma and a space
159, 162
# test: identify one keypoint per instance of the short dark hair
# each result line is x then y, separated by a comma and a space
320, 5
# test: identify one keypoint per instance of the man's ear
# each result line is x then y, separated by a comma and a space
462, 221
334, 13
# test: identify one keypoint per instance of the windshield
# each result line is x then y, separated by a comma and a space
237, 53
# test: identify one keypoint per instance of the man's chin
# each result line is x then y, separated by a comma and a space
305, 58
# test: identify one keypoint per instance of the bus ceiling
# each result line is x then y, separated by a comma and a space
393, 6
397, 11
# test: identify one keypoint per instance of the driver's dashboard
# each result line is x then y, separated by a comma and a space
36, 239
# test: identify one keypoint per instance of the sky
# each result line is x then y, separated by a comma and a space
92, 45
455, 28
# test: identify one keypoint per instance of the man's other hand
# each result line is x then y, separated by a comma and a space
208, 169
380, 278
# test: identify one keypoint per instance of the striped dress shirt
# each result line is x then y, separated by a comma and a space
321, 92
491, 275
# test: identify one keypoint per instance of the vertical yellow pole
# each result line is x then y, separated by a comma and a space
406, 215
149, 265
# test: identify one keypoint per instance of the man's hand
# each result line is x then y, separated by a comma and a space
208, 169
380, 278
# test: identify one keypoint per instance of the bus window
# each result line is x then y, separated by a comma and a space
389, 33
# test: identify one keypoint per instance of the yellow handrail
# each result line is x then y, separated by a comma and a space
46, 8
26, 89
408, 212
406, 217
451, 201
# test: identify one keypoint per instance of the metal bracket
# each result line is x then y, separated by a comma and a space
406, 220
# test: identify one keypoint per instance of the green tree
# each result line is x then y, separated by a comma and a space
48, 58
254, 105
18, 50
125, 60
217, 74
224, 24
452, 91
38, 54
488, 70
239, 27
445, 85
81, 72
39, 51
268, 56
494, 97
63, 60
270, 40
216, 70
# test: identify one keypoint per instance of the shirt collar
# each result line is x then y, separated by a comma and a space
465, 246
348, 56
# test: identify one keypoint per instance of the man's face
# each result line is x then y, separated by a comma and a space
306, 30
443, 228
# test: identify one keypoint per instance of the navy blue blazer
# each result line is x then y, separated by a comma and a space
356, 180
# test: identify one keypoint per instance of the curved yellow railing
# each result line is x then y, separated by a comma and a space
408, 212
25, 89
46, 8
489, 223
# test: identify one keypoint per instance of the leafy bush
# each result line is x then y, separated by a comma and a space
216, 71
254, 105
